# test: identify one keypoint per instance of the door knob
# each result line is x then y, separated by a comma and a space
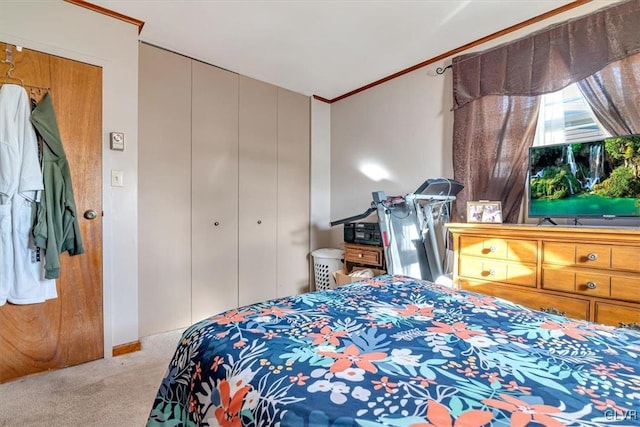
90, 214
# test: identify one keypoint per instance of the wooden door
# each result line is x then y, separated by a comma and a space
214, 204
67, 330
257, 193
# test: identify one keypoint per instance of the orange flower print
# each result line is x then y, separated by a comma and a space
230, 406
414, 310
270, 335
232, 316
424, 382
514, 386
240, 343
350, 356
482, 301
327, 335
389, 387
523, 413
468, 372
299, 379
217, 361
608, 404
193, 404
197, 373
438, 416
492, 377
582, 390
458, 329
567, 328
276, 311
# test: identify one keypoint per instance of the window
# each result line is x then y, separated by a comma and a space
565, 116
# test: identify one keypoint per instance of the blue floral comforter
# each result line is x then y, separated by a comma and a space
396, 351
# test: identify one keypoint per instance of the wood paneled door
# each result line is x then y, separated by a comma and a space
67, 330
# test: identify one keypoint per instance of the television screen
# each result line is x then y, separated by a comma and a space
586, 179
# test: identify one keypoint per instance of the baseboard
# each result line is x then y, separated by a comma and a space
129, 347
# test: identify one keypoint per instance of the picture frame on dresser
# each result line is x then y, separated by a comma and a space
484, 211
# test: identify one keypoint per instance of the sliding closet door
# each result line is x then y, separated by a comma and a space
258, 180
214, 175
164, 190
67, 330
293, 192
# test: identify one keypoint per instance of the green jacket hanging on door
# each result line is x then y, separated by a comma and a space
56, 229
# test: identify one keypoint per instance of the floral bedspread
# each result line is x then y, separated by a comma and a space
396, 351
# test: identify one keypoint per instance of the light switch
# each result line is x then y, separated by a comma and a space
117, 178
117, 141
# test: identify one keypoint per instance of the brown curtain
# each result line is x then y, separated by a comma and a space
550, 59
496, 97
491, 155
616, 104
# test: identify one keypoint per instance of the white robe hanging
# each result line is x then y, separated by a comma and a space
20, 186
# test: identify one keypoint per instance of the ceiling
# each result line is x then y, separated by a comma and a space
322, 47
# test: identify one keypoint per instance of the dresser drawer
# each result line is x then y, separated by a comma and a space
498, 271
580, 282
361, 254
626, 288
592, 256
497, 248
615, 315
625, 258
575, 308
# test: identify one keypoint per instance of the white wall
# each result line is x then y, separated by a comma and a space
76, 33
404, 126
320, 172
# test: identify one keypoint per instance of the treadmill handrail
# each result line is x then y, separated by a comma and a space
434, 197
355, 217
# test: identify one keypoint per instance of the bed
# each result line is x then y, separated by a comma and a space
397, 351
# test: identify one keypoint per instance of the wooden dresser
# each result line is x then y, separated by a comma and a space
580, 272
363, 256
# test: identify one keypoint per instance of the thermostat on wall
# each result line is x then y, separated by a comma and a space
117, 141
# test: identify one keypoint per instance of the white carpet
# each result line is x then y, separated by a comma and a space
107, 392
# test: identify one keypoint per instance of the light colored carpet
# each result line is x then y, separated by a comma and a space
110, 392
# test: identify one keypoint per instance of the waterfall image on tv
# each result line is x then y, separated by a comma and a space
597, 178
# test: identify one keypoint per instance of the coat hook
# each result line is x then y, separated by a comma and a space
8, 53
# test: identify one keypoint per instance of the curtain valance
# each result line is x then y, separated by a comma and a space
550, 59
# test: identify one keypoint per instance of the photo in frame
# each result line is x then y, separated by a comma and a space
484, 211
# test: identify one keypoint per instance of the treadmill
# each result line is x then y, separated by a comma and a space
413, 229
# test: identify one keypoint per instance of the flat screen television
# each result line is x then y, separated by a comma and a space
586, 179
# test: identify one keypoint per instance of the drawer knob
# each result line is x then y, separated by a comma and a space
591, 285
493, 249
635, 326
360, 255
217, 223
492, 272
592, 256
552, 310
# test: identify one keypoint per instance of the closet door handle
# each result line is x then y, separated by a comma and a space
259, 221
217, 223
90, 214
